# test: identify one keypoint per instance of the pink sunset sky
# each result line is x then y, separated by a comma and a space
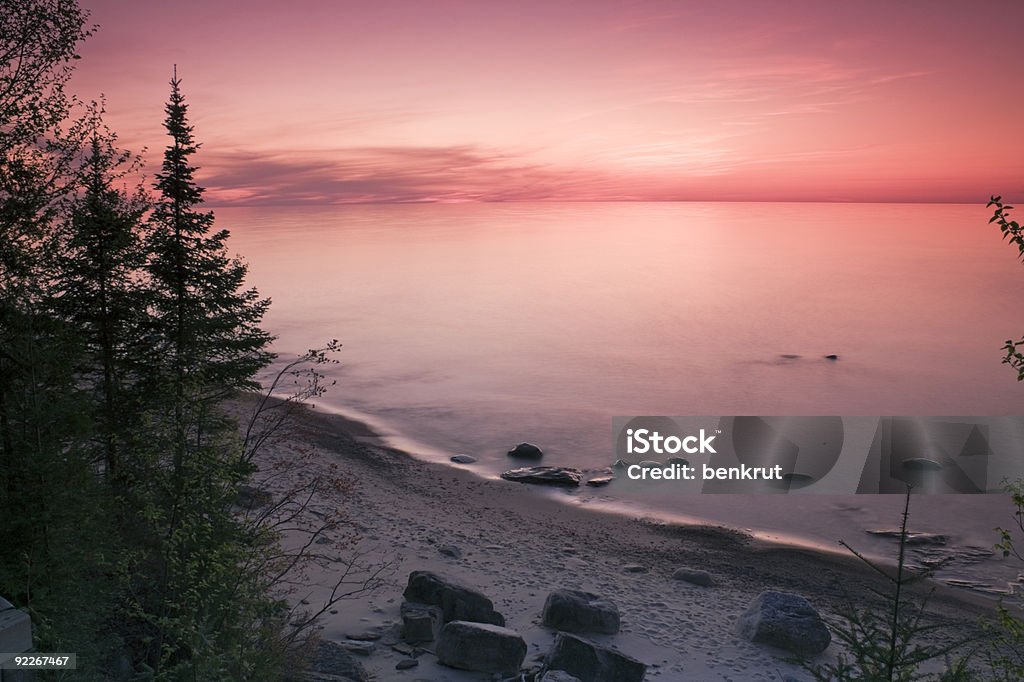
453, 100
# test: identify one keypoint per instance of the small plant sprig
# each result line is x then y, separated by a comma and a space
884, 643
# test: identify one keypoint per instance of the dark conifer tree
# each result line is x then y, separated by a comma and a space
99, 288
204, 343
207, 336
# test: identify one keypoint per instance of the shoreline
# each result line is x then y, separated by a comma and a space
516, 546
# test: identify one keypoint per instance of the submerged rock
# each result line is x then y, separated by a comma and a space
526, 451
913, 539
600, 481
588, 661
457, 601
786, 621
481, 648
566, 476
578, 611
831, 356
463, 459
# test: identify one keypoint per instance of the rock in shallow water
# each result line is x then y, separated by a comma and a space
526, 451
913, 538
463, 459
566, 476
786, 621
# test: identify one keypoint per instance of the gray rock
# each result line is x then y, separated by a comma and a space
650, 464
565, 476
526, 451
371, 635
557, 676
464, 459
457, 601
330, 658
600, 481
578, 611
588, 661
481, 648
406, 664
419, 622
786, 621
450, 551
695, 576
357, 647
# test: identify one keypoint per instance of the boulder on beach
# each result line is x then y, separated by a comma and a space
526, 451
787, 621
481, 648
558, 676
457, 601
419, 622
578, 611
463, 459
694, 576
331, 659
588, 661
543, 475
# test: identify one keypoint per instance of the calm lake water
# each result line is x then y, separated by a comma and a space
469, 327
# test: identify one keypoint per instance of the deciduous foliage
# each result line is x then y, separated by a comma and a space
1013, 234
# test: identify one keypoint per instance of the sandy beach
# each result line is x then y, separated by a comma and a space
516, 546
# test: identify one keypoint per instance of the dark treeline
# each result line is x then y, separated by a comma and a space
124, 325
